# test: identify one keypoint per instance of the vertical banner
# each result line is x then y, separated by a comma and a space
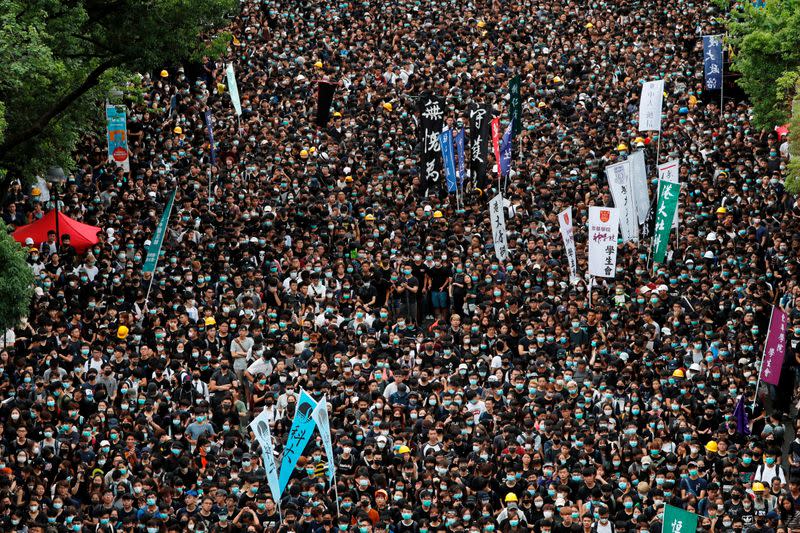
775, 347
260, 428
234, 90
211, 144
670, 171
496, 141
446, 146
299, 435
154, 249
603, 231
325, 90
499, 236
461, 163
650, 105
505, 151
117, 134
676, 520
515, 105
668, 193
320, 416
566, 227
431, 117
479, 128
639, 180
712, 62
620, 183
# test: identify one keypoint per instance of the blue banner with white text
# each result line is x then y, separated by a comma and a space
712, 62
302, 429
446, 146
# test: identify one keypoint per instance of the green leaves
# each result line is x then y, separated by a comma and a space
767, 43
59, 58
16, 282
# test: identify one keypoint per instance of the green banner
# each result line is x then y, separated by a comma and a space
515, 104
158, 237
668, 193
676, 520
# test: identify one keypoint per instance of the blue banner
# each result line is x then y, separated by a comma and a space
460, 158
302, 429
210, 126
446, 146
505, 151
117, 135
712, 62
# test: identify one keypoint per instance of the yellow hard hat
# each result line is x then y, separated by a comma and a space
589, 25
541, 104
556, 80
348, 179
722, 210
758, 487
304, 154
164, 74
210, 321
312, 150
122, 332
403, 449
711, 446
638, 140
36, 191
481, 24
678, 373
437, 214
178, 130
621, 147
370, 218
337, 114
511, 497
387, 106
318, 64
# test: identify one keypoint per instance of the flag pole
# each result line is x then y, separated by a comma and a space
336, 495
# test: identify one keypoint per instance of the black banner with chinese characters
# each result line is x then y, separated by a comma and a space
431, 109
480, 119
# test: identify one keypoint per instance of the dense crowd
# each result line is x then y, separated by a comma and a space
465, 394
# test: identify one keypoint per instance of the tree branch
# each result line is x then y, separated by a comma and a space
40, 123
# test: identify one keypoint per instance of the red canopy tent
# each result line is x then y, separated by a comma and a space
82, 236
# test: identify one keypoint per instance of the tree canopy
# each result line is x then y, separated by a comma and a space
16, 282
767, 54
59, 57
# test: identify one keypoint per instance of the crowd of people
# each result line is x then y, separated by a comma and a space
465, 394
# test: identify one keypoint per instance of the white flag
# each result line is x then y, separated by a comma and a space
639, 179
234, 90
670, 171
320, 416
565, 225
650, 105
260, 427
498, 227
603, 230
620, 182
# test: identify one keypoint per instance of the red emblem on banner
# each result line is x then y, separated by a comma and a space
605, 214
566, 218
119, 154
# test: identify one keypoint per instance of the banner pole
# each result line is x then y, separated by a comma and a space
336, 495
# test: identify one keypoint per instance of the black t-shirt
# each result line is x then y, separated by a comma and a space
438, 276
